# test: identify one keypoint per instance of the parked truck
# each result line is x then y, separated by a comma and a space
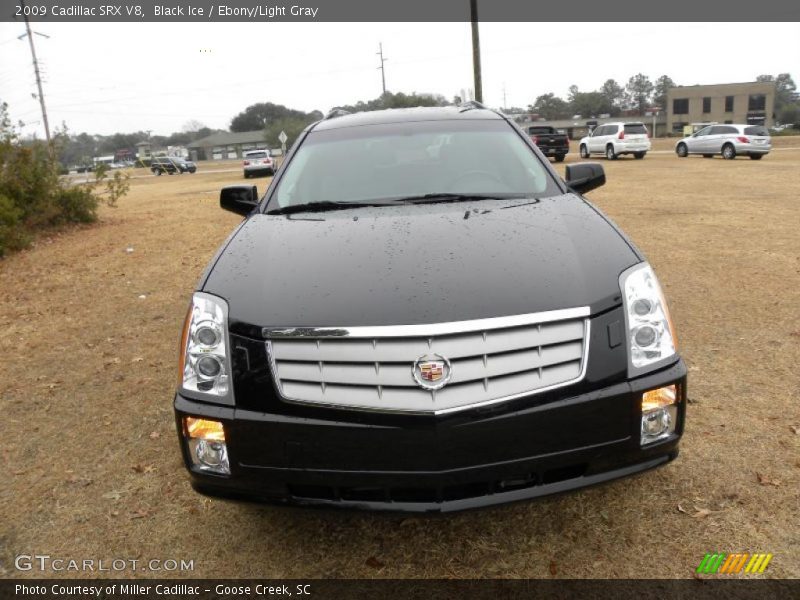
549, 141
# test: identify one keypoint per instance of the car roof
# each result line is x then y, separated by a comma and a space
407, 115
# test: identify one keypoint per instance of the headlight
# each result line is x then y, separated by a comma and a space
205, 366
651, 338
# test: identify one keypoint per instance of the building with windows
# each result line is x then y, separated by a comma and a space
227, 145
751, 102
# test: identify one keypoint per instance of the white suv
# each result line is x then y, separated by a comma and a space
258, 161
614, 139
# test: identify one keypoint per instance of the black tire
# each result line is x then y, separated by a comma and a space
682, 150
584, 151
610, 154
157, 172
559, 158
708, 156
728, 152
756, 156
246, 175
639, 155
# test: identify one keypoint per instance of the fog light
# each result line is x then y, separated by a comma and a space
207, 447
659, 414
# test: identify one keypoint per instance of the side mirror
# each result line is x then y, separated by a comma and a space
241, 199
584, 177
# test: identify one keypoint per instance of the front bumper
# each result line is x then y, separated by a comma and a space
437, 464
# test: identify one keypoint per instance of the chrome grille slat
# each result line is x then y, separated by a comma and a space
489, 365
397, 374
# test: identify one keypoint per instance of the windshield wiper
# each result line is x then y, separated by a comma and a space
319, 207
445, 197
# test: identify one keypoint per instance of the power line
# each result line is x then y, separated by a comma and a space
382, 68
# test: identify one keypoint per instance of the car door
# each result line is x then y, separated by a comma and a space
714, 140
697, 143
596, 141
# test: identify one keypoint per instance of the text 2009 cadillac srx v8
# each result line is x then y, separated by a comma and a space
421, 315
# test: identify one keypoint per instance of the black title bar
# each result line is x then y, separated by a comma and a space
148, 11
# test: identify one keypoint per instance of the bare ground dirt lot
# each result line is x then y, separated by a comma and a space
91, 461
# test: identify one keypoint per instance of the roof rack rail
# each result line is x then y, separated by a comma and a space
470, 105
336, 112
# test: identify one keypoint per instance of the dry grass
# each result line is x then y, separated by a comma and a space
92, 468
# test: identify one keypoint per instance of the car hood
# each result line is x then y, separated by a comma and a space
416, 264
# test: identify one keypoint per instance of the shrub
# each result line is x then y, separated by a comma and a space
11, 236
33, 196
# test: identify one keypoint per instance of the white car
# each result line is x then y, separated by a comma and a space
729, 140
258, 161
615, 139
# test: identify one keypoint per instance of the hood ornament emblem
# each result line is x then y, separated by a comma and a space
432, 371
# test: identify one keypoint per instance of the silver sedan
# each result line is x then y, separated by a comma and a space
729, 140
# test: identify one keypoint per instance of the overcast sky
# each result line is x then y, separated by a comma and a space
109, 77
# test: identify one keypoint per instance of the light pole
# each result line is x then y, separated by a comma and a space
476, 50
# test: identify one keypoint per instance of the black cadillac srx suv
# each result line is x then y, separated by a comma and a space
421, 315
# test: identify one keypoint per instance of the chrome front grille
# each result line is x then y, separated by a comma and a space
370, 368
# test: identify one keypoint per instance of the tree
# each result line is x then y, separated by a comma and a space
258, 116
573, 91
613, 93
590, 104
639, 89
550, 106
784, 88
293, 126
663, 85
790, 114
193, 125
398, 100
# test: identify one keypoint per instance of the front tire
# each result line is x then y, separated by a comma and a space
682, 150
728, 152
584, 151
610, 154
639, 155
559, 158
756, 156
157, 172
246, 175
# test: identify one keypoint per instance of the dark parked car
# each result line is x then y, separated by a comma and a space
171, 164
421, 315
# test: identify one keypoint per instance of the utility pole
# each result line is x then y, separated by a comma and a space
38, 76
383, 70
505, 103
476, 50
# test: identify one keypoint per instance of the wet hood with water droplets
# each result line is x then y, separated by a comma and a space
420, 264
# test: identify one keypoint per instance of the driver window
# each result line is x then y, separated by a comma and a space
703, 131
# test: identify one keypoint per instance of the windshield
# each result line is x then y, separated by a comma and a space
635, 128
383, 162
756, 130
256, 155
